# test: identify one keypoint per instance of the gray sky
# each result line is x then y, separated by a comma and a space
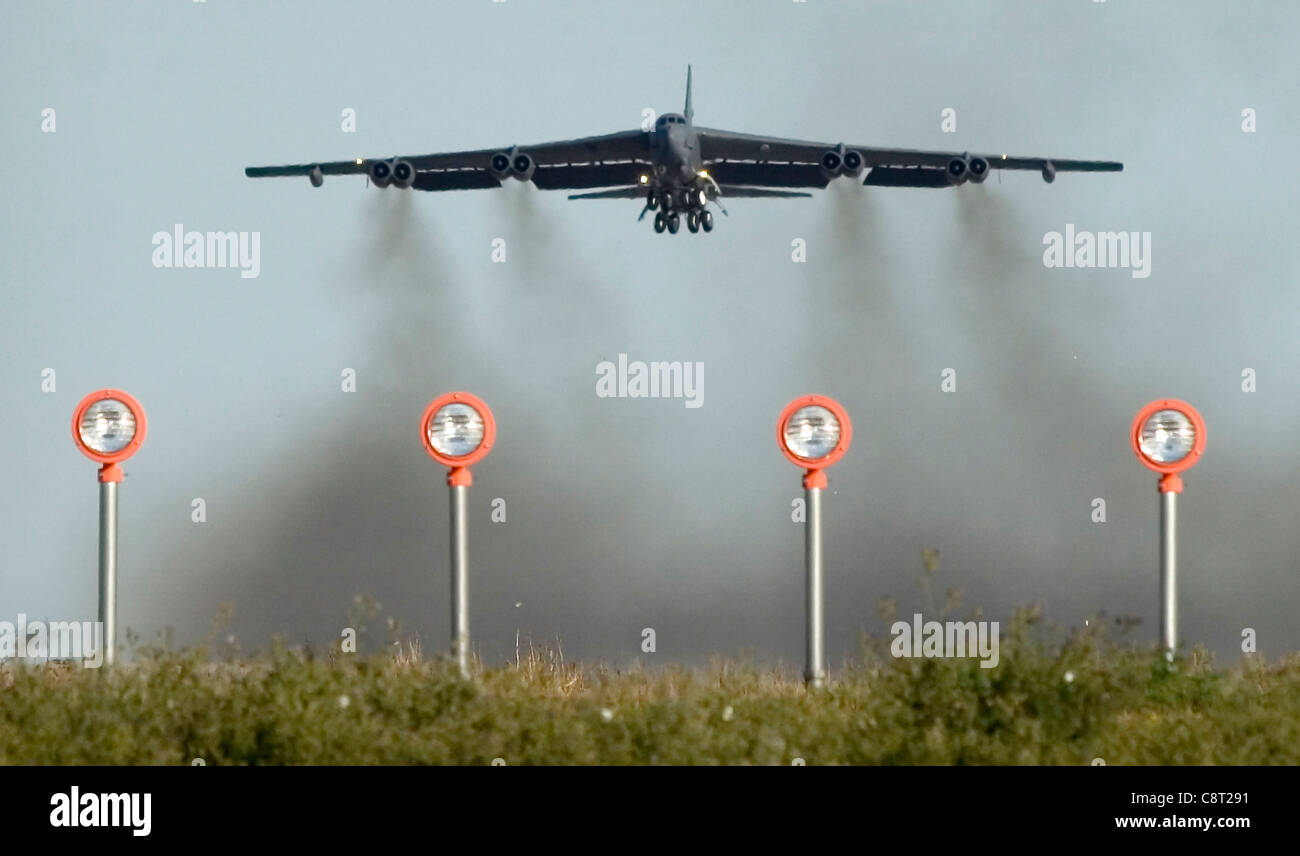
624, 514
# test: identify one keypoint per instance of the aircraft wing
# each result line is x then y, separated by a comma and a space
768, 174
718, 148
599, 161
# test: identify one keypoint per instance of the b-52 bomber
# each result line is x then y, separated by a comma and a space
679, 168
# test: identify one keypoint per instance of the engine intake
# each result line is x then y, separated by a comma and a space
381, 173
832, 162
958, 171
513, 164
522, 166
501, 165
403, 174
853, 162
978, 169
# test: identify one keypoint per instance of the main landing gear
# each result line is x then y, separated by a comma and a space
697, 220
668, 218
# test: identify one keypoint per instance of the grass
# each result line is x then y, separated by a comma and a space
1056, 697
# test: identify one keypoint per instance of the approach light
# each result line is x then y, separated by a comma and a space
1168, 437
108, 426
814, 432
458, 430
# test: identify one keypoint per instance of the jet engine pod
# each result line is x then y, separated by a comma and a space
403, 174
501, 165
1049, 172
958, 171
381, 173
853, 163
522, 166
316, 177
832, 161
978, 169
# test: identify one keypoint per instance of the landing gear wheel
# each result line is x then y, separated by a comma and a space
652, 201
661, 222
693, 222
674, 223
706, 221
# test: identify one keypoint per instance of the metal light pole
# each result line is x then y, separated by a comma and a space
108, 568
814, 432
1168, 437
1169, 568
460, 577
108, 427
458, 430
815, 663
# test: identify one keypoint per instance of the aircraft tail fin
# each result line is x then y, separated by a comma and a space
689, 111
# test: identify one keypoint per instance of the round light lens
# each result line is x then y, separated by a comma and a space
107, 426
812, 432
1167, 436
456, 430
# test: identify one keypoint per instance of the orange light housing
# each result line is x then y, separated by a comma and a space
141, 426
814, 466
474, 455
1170, 468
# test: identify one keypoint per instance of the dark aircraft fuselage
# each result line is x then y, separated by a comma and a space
675, 150
678, 180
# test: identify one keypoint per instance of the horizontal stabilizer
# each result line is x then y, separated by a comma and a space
733, 192
635, 192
